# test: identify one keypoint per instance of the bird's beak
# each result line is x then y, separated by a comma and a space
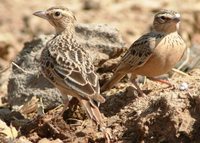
41, 14
177, 18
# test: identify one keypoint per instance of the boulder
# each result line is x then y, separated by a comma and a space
103, 41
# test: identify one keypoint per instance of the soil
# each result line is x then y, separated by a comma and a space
164, 115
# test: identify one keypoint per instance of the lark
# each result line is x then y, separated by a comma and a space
154, 53
68, 66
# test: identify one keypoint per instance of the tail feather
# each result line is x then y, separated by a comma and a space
114, 79
99, 98
92, 111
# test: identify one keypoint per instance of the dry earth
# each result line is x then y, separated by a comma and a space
165, 115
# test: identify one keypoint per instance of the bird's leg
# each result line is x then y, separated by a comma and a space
66, 103
106, 132
161, 81
137, 88
133, 77
107, 136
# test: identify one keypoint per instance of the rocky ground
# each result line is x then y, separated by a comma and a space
163, 115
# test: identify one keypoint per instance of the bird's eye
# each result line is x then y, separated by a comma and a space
57, 14
163, 17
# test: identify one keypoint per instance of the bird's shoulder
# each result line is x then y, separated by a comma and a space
68, 49
147, 41
140, 51
73, 64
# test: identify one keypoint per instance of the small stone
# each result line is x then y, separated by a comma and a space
91, 4
183, 86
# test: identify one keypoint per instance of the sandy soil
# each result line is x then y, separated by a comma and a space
164, 115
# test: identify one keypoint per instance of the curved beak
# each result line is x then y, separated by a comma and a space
41, 14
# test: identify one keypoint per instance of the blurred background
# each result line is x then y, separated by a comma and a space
131, 18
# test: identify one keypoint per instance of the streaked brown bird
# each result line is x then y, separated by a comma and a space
68, 66
154, 53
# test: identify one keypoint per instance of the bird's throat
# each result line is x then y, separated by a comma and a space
69, 30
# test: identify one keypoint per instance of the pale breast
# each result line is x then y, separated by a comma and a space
165, 56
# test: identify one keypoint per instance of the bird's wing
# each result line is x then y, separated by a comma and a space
76, 72
139, 52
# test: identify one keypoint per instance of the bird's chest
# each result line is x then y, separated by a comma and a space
168, 52
165, 56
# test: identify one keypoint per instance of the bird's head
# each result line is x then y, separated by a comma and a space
166, 21
59, 17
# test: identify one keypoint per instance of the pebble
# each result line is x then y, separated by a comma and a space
183, 86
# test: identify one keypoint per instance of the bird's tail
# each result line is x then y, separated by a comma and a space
92, 111
114, 79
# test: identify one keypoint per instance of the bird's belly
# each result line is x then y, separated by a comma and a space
160, 63
153, 68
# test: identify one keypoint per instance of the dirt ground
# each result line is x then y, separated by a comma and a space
164, 115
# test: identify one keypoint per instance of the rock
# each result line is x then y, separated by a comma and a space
8, 44
22, 86
4, 75
190, 59
22, 139
197, 20
194, 61
45, 140
195, 39
91, 4
5, 114
8, 133
102, 41
183, 86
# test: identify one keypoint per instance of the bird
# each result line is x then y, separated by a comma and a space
154, 53
67, 65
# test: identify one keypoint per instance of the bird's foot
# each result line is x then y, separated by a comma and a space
141, 93
107, 134
170, 85
57, 113
161, 81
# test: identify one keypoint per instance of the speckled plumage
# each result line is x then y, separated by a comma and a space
154, 53
68, 66
65, 63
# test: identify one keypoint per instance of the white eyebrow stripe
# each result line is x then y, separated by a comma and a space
177, 15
